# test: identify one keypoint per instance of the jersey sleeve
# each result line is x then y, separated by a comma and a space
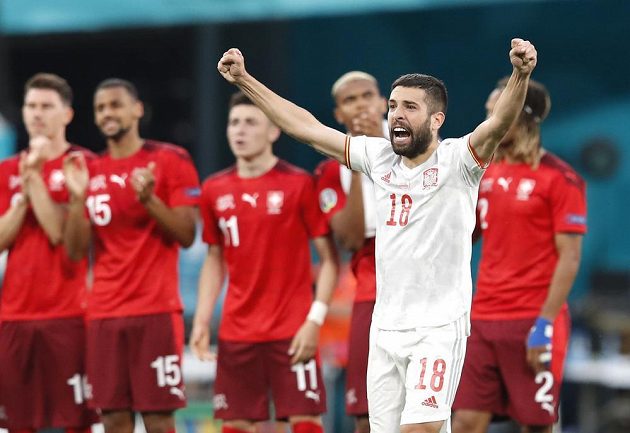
5, 191
568, 204
316, 223
211, 234
329, 190
471, 168
183, 181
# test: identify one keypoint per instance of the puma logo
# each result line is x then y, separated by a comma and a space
504, 183
178, 392
118, 180
250, 198
312, 395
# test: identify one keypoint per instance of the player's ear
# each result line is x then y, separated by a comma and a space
338, 116
138, 109
69, 115
437, 120
273, 133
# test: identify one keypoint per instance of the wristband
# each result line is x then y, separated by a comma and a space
317, 313
540, 336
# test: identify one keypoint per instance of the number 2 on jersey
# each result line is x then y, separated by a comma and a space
403, 219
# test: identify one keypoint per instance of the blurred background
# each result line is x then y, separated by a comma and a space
169, 49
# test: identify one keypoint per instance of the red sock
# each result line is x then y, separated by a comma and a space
227, 429
79, 430
306, 427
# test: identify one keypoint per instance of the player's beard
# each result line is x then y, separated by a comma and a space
420, 141
118, 135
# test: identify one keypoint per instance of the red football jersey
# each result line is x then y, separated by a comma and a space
135, 264
332, 198
264, 225
40, 281
519, 212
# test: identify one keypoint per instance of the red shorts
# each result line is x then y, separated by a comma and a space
43, 375
134, 363
248, 372
497, 378
358, 349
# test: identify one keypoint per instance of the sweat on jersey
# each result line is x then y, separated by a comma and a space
425, 220
520, 210
263, 225
41, 281
135, 263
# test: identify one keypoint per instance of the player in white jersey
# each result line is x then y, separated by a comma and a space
426, 191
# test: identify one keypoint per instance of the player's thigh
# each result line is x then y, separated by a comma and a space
532, 397
241, 388
155, 362
434, 367
358, 349
297, 389
385, 384
481, 386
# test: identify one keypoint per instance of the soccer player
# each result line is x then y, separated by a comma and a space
141, 198
258, 217
425, 194
42, 335
347, 199
532, 215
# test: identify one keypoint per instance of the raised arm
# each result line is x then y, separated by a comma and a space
77, 229
293, 120
486, 137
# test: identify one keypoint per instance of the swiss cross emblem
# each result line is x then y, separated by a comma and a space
429, 178
275, 200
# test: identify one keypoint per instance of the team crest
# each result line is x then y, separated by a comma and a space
486, 185
225, 202
429, 178
327, 199
275, 200
56, 180
14, 181
525, 188
98, 182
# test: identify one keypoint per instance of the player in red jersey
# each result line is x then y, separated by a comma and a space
141, 197
346, 198
42, 335
258, 217
532, 215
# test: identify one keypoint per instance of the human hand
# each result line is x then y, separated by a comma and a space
76, 175
200, 342
232, 66
304, 344
143, 182
539, 345
523, 56
368, 123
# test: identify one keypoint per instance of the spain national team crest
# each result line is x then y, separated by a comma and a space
429, 178
275, 200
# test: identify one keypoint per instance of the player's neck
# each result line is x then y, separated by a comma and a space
423, 157
255, 167
57, 147
125, 146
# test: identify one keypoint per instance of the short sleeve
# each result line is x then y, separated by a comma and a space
211, 234
5, 191
313, 217
183, 181
471, 167
330, 193
363, 152
568, 204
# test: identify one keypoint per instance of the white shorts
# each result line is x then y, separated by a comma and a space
413, 374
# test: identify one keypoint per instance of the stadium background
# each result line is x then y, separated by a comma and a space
299, 47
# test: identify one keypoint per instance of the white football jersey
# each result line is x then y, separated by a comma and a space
425, 219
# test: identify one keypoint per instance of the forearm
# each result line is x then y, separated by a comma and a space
328, 271
77, 231
11, 223
294, 120
176, 223
561, 283
49, 214
210, 283
348, 224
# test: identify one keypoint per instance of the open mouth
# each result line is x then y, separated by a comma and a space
400, 134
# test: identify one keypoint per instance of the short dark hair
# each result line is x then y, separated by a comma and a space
537, 101
437, 97
119, 82
239, 98
44, 80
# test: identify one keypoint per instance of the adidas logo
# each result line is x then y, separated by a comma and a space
386, 177
431, 402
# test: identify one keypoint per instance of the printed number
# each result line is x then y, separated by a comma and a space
167, 370
81, 389
229, 227
482, 205
403, 219
300, 372
542, 395
99, 209
437, 379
